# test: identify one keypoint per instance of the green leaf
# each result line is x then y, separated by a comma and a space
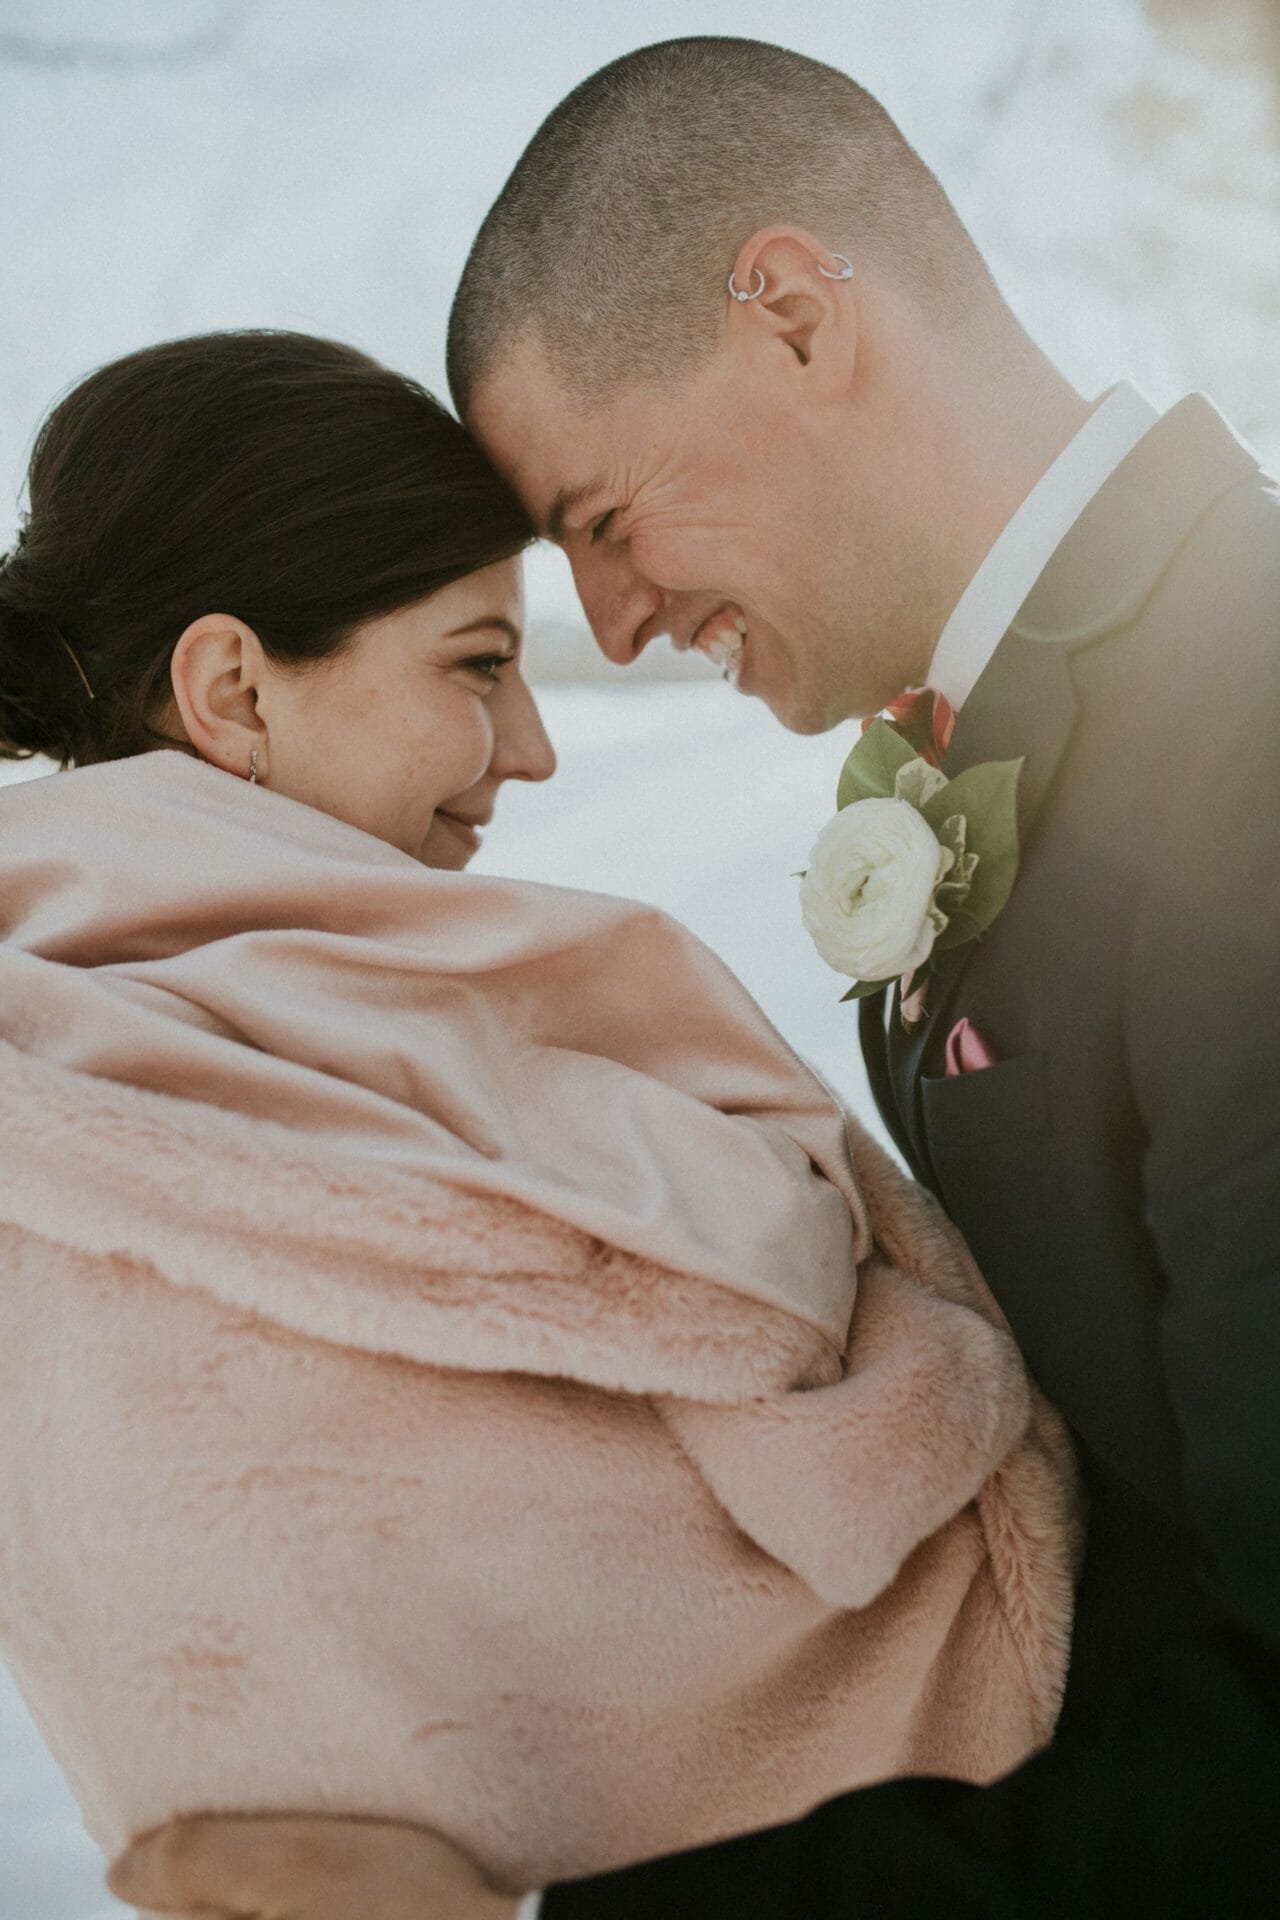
961, 927
863, 989
871, 769
917, 782
987, 796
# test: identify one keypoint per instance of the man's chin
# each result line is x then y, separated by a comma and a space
798, 715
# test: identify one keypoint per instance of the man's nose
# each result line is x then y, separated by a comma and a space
617, 601
522, 749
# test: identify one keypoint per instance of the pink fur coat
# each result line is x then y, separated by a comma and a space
456, 1365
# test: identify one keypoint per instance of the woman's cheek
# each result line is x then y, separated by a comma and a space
475, 744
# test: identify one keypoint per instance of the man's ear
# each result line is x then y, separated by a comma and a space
806, 303
217, 672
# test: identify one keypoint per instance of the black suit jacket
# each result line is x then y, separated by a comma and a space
1117, 1174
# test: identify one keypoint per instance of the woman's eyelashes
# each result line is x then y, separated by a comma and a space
489, 665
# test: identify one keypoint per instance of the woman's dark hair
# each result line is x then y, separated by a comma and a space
289, 481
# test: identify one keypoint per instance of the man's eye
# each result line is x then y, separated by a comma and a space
601, 526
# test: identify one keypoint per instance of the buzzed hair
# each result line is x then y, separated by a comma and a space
612, 241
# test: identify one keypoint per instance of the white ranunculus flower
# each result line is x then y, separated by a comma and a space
868, 896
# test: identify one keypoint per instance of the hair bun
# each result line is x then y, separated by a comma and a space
41, 694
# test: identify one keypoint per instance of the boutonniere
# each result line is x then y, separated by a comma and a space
912, 865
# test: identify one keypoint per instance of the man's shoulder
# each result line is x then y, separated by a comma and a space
1207, 636
1176, 558
1227, 570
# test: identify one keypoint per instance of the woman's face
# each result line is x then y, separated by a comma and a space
410, 731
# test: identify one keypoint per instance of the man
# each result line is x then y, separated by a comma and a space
731, 343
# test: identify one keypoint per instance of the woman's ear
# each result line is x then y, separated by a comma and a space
217, 672
788, 284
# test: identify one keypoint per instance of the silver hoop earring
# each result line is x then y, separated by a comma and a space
755, 292
253, 768
846, 269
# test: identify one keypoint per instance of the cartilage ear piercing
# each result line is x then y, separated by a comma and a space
755, 292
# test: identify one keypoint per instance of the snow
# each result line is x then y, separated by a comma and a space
168, 166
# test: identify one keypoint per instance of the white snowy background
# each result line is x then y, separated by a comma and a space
168, 166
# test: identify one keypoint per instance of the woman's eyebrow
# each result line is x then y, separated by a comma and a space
490, 623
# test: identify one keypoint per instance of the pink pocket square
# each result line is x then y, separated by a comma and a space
967, 1051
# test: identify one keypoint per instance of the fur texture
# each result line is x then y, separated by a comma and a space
347, 1464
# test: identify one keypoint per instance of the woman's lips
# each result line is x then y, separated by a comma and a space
464, 830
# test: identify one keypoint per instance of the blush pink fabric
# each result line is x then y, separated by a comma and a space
966, 1050
456, 1365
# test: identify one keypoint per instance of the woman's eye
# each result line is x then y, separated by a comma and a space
601, 526
488, 665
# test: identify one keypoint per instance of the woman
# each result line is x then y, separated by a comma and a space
455, 1365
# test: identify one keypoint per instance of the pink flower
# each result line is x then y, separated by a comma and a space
924, 718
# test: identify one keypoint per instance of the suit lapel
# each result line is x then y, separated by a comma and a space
874, 1041
1024, 706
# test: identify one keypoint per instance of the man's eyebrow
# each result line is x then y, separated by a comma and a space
488, 624
565, 501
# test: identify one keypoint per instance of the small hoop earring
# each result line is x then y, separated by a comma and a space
253, 768
846, 269
755, 292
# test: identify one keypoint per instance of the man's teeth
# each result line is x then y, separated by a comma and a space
724, 649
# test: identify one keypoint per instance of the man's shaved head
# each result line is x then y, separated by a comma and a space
806, 479
612, 241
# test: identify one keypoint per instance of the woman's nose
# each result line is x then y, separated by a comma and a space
522, 749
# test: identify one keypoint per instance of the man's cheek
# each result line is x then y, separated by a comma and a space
681, 562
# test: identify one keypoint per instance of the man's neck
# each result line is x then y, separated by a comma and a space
988, 450
1011, 438
1025, 544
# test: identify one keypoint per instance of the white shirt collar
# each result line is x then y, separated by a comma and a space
986, 608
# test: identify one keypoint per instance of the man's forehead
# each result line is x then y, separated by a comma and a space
520, 391
530, 428
554, 450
